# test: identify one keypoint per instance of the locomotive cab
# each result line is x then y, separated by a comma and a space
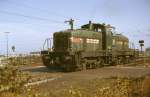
61, 42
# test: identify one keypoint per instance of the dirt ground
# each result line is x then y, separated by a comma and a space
40, 73
105, 72
81, 79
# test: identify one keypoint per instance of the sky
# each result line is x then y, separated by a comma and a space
30, 22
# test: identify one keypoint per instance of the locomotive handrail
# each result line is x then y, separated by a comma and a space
48, 44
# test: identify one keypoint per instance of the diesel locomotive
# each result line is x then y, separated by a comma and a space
92, 46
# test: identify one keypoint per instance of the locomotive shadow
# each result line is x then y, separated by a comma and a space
44, 69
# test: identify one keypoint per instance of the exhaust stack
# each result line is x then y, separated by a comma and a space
90, 25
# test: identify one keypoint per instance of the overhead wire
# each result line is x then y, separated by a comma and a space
37, 9
28, 23
45, 11
35, 17
31, 17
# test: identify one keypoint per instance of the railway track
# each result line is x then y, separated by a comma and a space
41, 81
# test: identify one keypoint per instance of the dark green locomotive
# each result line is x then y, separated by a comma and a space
92, 46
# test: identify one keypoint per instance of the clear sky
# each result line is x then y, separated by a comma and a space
30, 22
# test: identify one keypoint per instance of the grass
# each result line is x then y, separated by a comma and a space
112, 87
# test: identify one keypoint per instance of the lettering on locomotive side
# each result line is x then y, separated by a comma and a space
94, 41
80, 40
76, 40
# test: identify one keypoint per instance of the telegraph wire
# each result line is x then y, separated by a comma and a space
31, 17
45, 11
27, 16
26, 23
35, 17
38, 9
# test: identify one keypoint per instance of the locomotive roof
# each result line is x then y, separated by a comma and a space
82, 33
94, 25
121, 37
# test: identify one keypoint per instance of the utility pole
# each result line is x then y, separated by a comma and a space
7, 45
71, 21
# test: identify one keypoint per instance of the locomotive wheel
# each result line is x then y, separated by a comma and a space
88, 66
94, 65
69, 68
83, 64
100, 63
